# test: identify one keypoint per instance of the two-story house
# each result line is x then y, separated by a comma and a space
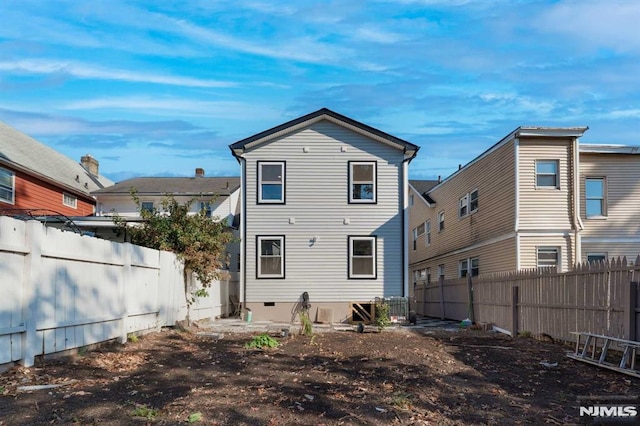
36, 177
537, 198
324, 211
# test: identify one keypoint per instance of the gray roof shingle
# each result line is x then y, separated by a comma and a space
175, 185
22, 152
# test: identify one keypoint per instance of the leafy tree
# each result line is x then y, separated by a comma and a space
196, 239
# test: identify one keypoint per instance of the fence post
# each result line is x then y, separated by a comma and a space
630, 310
32, 280
125, 282
442, 305
514, 310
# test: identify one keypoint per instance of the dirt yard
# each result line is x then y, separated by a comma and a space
404, 377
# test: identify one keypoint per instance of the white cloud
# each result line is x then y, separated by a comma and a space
80, 70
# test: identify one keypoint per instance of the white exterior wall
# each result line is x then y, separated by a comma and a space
317, 202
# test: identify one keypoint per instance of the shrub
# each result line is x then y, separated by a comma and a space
307, 325
382, 318
262, 341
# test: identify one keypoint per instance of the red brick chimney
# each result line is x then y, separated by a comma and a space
199, 172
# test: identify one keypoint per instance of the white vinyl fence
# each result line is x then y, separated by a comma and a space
60, 291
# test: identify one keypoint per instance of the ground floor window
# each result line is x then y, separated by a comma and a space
362, 257
548, 257
270, 250
596, 257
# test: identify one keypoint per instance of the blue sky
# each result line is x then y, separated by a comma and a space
162, 87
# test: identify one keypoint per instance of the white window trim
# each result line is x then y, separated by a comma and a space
472, 211
441, 222
373, 275
74, 204
557, 174
559, 256
427, 233
352, 182
604, 197
283, 168
13, 187
259, 255
463, 203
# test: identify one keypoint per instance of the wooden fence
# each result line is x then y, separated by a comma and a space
599, 298
61, 291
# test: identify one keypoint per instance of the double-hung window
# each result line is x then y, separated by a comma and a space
7, 186
595, 197
547, 174
362, 182
469, 266
427, 230
362, 257
69, 200
418, 231
463, 206
206, 207
548, 257
441, 221
271, 182
473, 201
270, 250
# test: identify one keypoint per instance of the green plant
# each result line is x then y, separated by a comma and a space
1, 390
82, 351
307, 325
524, 333
146, 412
262, 341
132, 338
194, 417
382, 318
402, 400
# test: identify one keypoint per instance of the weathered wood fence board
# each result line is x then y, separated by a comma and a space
599, 298
63, 291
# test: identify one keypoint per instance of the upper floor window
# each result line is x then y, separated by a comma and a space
362, 257
427, 226
473, 201
270, 257
206, 207
547, 174
271, 181
146, 206
463, 206
441, 221
362, 181
411, 201
548, 257
595, 197
7, 186
69, 200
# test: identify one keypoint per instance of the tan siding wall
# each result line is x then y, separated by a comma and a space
494, 178
544, 208
622, 173
316, 197
419, 213
529, 244
495, 257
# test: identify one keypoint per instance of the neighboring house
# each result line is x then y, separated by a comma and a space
219, 196
34, 176
324, 211
536, 198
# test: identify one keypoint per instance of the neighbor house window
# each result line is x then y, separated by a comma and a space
7, 186
441, 272
473, 201
147, 206
362, 257
596, 257
428, 275
463, 206
271, 179
411, 200
469, 266
595, 197
417, 232
427, 226
69, 200
547, 174
548, 256
206, 206
362, 181
441, 221
270, 256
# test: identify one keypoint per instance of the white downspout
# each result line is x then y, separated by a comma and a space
576, 200
516, 148
405, 230
243, 218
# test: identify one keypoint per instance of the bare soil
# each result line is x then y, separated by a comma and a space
405, 377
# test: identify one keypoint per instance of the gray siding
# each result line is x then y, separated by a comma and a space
317, 201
